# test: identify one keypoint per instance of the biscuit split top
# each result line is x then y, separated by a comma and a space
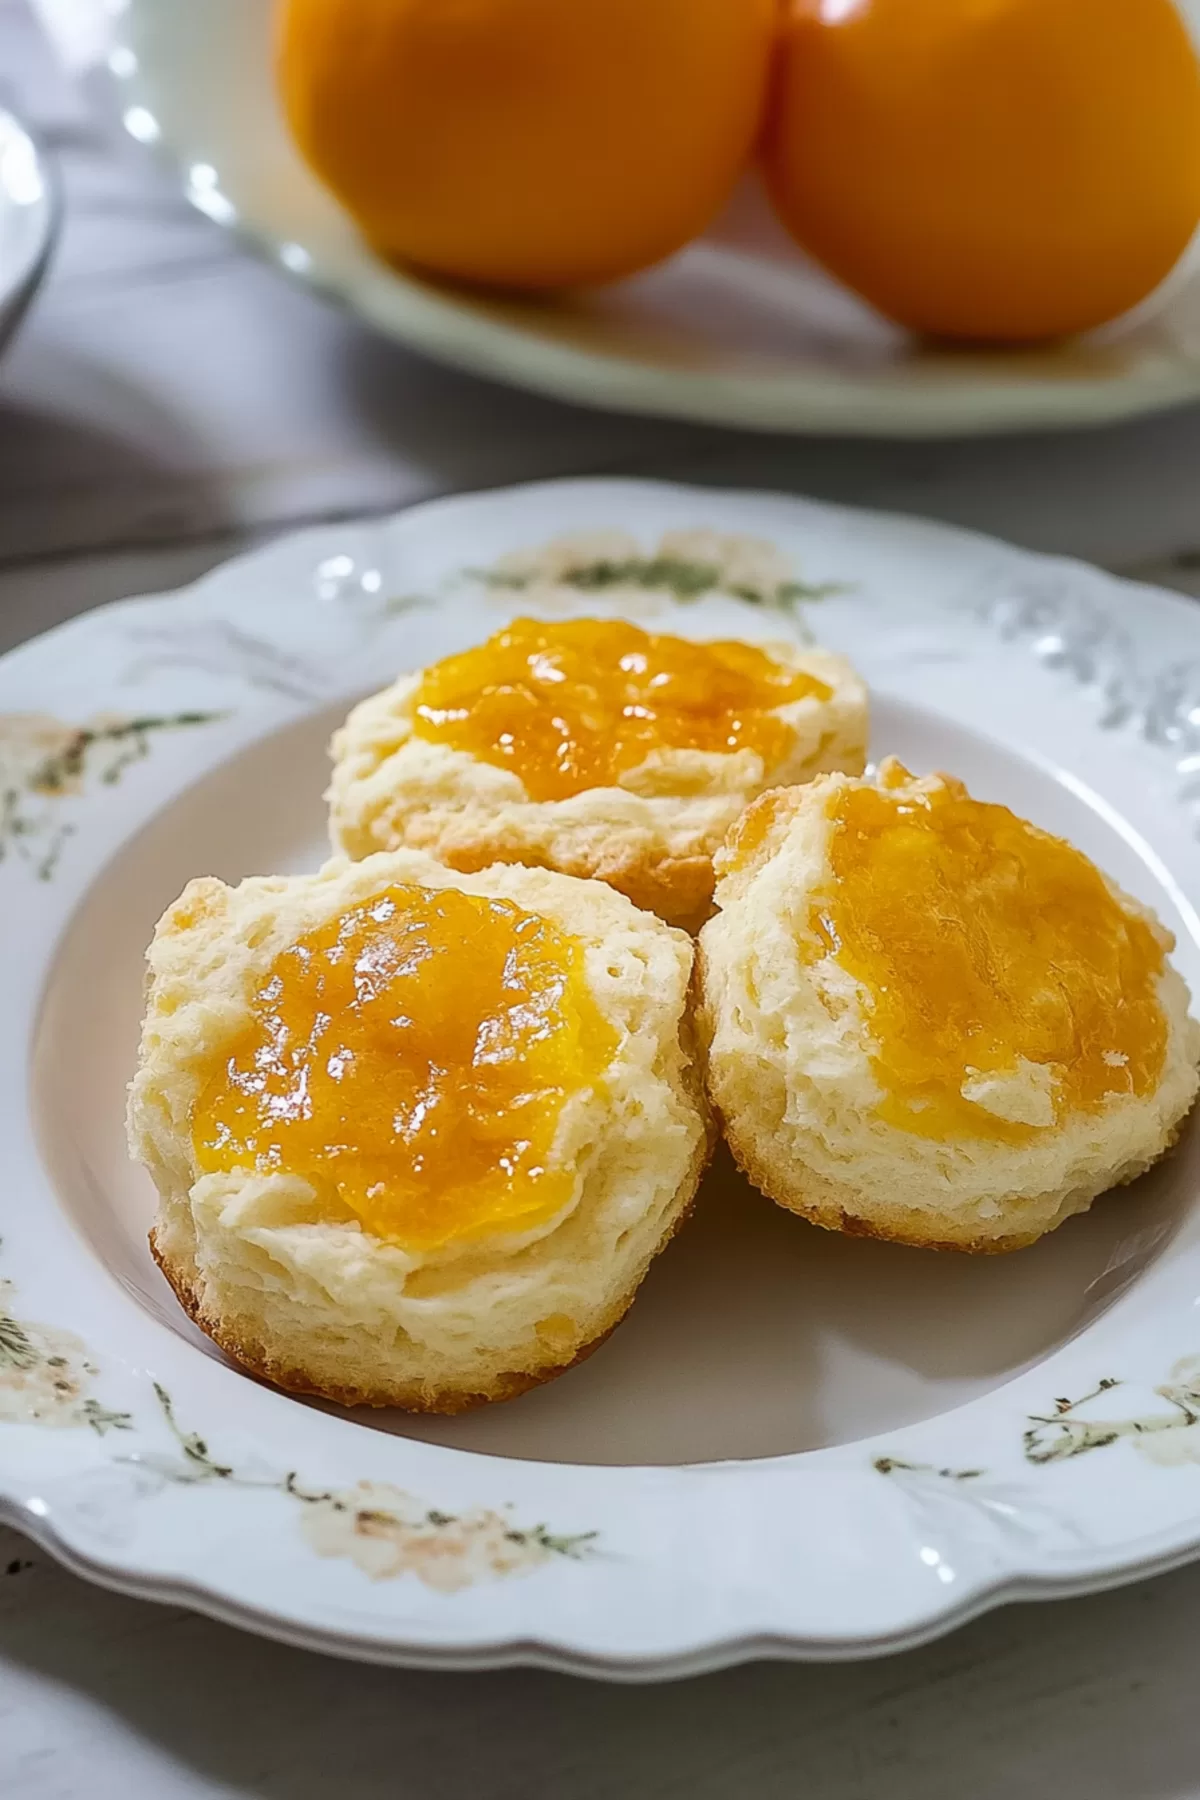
576, 704
1007, 986
411, 1059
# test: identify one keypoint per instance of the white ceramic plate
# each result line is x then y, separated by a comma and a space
738, 329
28, 220
797, 1444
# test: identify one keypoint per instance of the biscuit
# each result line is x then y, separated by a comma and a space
649, 827
929, 1021
394, 1194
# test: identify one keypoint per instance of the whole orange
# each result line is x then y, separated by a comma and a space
988, 169
527, 143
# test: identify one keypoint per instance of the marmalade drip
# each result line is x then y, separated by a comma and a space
983, 942
577, 704
411, 1059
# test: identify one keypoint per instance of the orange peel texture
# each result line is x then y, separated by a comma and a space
1004, 170
527, 144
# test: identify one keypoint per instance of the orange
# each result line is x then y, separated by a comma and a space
988, 169
527, 143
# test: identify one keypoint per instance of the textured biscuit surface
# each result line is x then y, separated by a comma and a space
653, 836
792, 1070
320, 1305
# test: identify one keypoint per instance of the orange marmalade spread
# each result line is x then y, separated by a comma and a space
411, 1059
578, 703
985, 945
751, 831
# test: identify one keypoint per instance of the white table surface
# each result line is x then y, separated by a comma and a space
168, 401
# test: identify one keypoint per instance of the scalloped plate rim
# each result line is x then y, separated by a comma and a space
1163, 1549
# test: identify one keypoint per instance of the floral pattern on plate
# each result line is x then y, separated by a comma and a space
385, 1532
1168, 1438
684, 564
44, 761
45, 1375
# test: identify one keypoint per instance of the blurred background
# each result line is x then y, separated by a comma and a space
173, 394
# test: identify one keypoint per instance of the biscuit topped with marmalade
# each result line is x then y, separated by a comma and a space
593, 747
932, 1021
417, 1136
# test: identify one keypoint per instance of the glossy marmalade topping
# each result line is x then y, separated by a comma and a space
578, 703
1007, 986
411, 1058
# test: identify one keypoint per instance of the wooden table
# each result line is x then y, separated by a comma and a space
169, 401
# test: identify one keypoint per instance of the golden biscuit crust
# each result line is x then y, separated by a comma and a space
245, 1342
